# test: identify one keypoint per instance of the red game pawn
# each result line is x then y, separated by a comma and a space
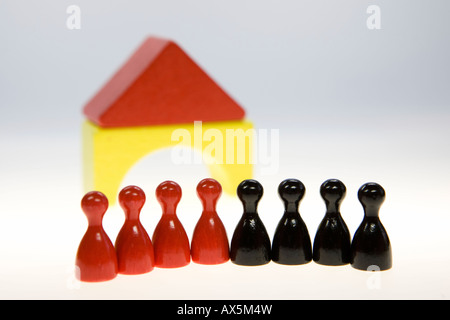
133, 245
170, 240
209, 241
96, 258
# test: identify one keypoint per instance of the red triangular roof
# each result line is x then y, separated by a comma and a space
160, 84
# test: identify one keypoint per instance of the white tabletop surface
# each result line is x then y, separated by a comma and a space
348, 102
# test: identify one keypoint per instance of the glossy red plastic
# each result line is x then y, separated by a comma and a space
133, 245
96, 258
170, 241
209, 241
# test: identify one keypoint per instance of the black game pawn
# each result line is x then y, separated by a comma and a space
291, 242
332, 240
250, 245
371, 248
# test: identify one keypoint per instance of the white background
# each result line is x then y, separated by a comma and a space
349, 103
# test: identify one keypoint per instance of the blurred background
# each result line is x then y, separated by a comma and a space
350, 102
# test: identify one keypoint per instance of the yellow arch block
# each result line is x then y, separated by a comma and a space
109, 153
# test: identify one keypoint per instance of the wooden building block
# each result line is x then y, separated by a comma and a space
160, 84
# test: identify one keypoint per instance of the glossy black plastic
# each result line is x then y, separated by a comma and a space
291, 242
332, 241
250, 244
371, 248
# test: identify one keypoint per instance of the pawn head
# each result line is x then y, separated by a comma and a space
371, 195
94, 205
168, 193
209, 190
250, 191
132, 199
291, 190
333, 191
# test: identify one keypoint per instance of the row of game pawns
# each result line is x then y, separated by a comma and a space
134, 252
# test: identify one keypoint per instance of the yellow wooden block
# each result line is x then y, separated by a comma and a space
225, 147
